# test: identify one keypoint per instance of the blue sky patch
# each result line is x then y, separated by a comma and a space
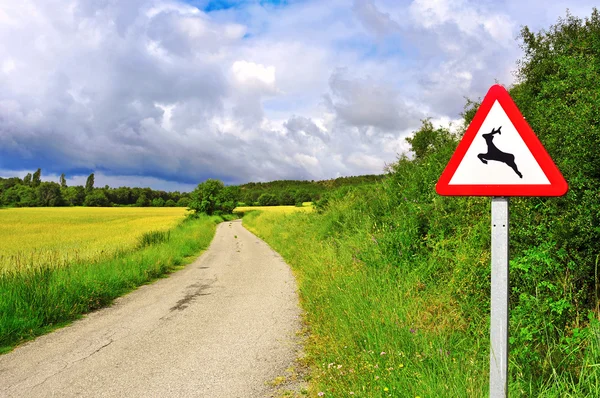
218, 5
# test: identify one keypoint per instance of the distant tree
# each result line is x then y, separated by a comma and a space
142, 201
10, 196
183, 202
267, 199
301, 196
96, 199
74, 196
170, 203
212, 196
26, 195
63, 181
158, 202
27, 179
206, 197
37, 178
121, 196
286, 198
89, 184
49, 194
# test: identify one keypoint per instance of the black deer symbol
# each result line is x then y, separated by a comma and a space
493, 153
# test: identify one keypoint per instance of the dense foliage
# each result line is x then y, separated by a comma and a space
32, 192
292, 192
212, 197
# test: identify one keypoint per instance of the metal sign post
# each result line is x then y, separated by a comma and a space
500, 156
499, 299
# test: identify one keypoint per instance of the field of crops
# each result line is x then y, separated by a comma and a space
59, 263
307, 206
30, 237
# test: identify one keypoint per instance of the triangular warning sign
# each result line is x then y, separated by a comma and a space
500, 155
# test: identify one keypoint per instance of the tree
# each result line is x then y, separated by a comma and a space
205, 198
74, 196
158, 202
183, 202
142, 201
89, 184
428, 139
27, 179
558, 92
26, 195
170, 203
267, 199
49, 194
301, 196
286, 198
96, 199
63, 181
37, 178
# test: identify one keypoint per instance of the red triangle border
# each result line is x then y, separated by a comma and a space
557, 187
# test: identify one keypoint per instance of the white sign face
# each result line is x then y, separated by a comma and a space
498, 155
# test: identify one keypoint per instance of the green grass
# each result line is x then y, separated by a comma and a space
382, 330
38, 299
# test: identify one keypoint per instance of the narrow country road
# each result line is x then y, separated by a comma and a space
224, 326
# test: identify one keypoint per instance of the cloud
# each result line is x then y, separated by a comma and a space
301, 128
374, 20
362, 102
166, 91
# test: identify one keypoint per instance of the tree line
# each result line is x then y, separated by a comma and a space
294, 192
31, 191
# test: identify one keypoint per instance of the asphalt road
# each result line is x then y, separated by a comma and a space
224, 326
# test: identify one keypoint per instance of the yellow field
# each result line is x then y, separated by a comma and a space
34, 236
306, 206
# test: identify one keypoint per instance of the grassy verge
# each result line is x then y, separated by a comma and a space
386, 322
37, 300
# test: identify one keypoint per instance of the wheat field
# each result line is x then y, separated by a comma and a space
30, 237
306, 207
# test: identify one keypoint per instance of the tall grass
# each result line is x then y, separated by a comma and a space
36, 299
397, 301
154, 238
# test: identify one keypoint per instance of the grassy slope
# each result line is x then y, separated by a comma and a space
380, 330
35, 301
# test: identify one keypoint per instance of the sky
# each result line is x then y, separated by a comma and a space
168, 93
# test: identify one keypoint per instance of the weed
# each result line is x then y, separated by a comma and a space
153, 238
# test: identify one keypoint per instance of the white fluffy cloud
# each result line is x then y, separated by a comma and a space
165, 91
